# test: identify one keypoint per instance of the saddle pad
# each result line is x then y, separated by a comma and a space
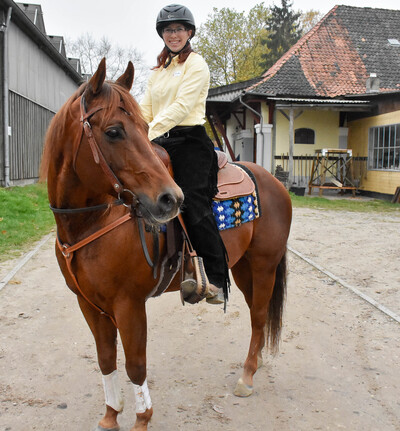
234, 212
233, 182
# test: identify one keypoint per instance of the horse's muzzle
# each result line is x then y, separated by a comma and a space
164, 209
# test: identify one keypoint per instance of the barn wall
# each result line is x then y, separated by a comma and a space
30, 122
34, 75
38, 87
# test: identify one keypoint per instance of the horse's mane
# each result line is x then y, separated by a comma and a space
113, 95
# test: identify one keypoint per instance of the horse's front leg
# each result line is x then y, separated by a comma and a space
132, 326
105, 335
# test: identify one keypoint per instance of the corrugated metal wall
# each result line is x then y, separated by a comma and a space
34, 74
29, 122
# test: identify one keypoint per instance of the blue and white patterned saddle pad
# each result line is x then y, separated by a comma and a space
234, 212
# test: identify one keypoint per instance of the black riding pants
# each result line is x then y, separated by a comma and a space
195, 167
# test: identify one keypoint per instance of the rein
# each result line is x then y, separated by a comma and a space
86, 209
68, 250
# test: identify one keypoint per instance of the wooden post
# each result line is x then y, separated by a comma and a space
291, 144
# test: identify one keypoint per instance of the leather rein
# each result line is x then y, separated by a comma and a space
68, 250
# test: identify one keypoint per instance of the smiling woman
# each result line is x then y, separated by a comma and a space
174, 107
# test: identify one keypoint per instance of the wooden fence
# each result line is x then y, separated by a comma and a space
302, 166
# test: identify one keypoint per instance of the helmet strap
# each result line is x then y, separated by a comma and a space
173, 54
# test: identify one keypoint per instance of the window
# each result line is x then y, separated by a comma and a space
304, 136
384, 147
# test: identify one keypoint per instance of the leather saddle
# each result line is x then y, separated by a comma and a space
233, 181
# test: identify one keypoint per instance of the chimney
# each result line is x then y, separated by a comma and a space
373, 83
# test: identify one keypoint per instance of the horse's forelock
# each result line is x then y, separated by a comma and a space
118, 96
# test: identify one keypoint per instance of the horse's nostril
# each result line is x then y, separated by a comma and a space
167, 202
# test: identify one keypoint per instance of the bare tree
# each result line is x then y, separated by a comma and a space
90, 52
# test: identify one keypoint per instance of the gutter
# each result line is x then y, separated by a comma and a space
5, 118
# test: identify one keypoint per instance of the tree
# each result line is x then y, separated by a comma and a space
309, 19
283, 32
230, 42
91, 51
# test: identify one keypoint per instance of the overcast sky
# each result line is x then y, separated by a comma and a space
131, 23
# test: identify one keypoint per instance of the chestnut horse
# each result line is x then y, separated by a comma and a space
97, 155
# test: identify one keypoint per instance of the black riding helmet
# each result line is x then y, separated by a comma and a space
175, 13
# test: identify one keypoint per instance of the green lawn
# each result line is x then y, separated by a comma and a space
345, 204
25, 215
24, 218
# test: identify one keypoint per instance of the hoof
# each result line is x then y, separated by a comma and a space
99, 428
242, 390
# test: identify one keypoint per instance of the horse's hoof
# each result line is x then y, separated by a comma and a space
242, 390
99, 428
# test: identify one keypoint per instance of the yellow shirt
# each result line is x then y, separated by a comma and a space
176, 95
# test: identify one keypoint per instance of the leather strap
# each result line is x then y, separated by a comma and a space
97, 154
68, 253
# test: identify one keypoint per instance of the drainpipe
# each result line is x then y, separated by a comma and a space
4, 28
261, 122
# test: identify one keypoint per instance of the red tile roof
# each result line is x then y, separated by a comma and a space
337, 56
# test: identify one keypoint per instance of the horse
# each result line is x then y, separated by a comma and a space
103, 175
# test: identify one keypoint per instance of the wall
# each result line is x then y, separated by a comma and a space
324, 123
379, 181
34, 75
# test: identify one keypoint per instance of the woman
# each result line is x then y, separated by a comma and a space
174, 107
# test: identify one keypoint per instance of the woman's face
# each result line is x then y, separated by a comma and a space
175, 36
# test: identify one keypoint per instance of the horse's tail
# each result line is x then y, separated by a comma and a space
275, 312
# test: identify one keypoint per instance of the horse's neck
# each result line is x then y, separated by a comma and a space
70, 193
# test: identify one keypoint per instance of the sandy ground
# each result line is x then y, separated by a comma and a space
338, 366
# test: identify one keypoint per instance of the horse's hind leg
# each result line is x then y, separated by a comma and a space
257, 286
105, 335
244, 280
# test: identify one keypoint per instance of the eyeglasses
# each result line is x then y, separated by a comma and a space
169, 31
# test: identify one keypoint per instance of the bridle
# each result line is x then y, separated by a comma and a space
98, 157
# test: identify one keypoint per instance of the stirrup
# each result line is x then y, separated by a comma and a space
196, 288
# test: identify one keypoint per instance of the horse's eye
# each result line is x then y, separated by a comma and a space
113, 133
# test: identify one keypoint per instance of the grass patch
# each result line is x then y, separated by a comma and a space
24, 218
25, 215
345, 204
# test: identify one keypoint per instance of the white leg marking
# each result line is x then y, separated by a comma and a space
142, 397
112, 391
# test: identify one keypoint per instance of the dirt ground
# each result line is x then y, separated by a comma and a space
338, 365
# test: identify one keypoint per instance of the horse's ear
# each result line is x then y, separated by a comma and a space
97, 80
126, 80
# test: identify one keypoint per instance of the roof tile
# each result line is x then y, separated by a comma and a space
338, 55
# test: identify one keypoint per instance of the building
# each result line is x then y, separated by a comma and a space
338, 87
36, 79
